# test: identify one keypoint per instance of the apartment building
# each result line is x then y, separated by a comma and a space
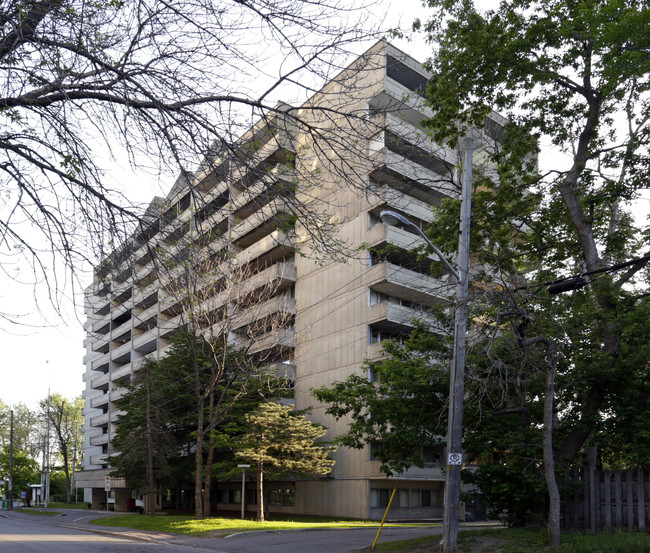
298, 183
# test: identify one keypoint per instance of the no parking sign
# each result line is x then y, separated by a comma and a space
455, 459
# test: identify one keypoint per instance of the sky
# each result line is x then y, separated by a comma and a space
47, 353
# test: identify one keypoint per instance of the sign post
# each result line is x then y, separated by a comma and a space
107, 489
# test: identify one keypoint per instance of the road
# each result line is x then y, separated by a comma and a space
73, 533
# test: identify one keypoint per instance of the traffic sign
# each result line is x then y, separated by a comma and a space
107, 483
455, 459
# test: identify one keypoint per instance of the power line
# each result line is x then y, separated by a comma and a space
575, 282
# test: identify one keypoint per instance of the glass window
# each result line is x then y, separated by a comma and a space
379, 497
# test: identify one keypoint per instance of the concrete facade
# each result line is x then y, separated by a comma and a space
336, 312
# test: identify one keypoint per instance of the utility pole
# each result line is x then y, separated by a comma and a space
457, 371
11, 462
457, 376
46, 498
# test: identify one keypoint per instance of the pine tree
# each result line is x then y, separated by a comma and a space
282, 443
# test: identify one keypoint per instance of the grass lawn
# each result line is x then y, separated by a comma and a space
525, 541
42, 513
218, 526
60, 505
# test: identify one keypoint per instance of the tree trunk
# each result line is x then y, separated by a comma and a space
198, 463
260, 491
66, 469
150, 478
549, 462
547, 434
207, 482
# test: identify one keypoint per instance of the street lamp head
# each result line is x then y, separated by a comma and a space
393, 218
243, 466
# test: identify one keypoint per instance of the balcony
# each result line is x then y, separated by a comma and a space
259, 224
281, 275
387, 197
400, 316
122, 354
120, 372
100, 381
146, 343
99, 459
98, 363
100, 420
99, 401
276, 305
285, 337
397, 98
400, 282
395, 236
99, 440
100, 345
416, 180
269, 249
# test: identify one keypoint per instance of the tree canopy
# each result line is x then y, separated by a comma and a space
574, 74
279, 443
401, 409
526, 79
66, 423
571, 77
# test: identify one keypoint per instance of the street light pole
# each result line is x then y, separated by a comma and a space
457, 373
243, 488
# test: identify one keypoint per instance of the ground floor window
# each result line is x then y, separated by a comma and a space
285, 496
229, 496
379, 497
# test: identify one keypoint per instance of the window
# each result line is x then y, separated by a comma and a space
285, 497
431, 454
378, 297
379, 497
375, 335
404, 499
374, 451
229, 496
373, 221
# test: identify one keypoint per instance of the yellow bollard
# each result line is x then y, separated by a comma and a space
383, 519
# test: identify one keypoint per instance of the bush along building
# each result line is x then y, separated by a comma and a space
275, 242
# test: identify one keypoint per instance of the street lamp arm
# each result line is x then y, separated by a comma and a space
392, 218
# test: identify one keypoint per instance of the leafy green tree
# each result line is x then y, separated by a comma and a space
575, 75
66, 421
402, 408
188, 404
59, 486
155, 427
27, 436
25, 470
281, 443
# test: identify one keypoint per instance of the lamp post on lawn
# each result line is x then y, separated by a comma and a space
243, 488
457, 374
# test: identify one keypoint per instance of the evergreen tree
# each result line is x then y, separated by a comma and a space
281, 443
